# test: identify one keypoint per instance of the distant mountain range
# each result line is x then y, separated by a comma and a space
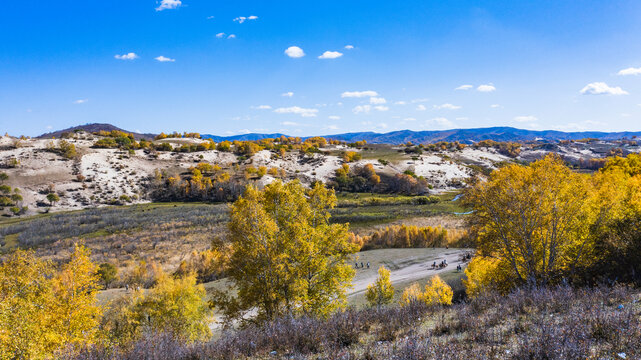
461, 135
403, 136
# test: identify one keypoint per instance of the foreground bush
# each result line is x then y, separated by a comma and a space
544, 323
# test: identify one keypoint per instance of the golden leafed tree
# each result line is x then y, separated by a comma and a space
437, 292
535, 220
42, 310
286, 257
381, 292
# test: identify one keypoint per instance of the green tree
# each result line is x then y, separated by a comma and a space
53, 198
3, 177
107, 273
286, 257
381, 292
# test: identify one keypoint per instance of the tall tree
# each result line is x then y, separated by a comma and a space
286, 257
381, 292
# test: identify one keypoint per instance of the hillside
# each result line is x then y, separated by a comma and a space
91, 128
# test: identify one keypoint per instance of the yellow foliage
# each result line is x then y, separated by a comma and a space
381, 292
437, 292
411, 294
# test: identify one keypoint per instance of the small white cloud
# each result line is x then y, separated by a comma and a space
400, 103
331, 127
381, 108
263, 107
164, 59
409, 119
297, 110
210, 17
287, 94
464, 87
377, 100
80, 101
362, 109
168, 5
630, 71
289, 123
242, 19
294, 52
495, 106
220, 35
447, 106
330, 55
381, 126
49, 127
231, 36
359, 94
440, 122
524, 119
421, 100
601, 88
349, 47
421, 107
129, 56
486, 88
334, 117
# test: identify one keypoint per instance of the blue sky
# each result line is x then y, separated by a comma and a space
390, 65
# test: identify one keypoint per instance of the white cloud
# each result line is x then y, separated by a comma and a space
294, 52
287, 94
289, 123
421, 107
440, 122
464, 87
210, 17
601, 88
447, 106
297, 110
164, 59
263, 107
129, 56
241, 19
80, 101
168, 5
495, 106
400, 102
362, 109
49, 127
334, 117
377, 100
220, 35
486, 88
331, 127
231, 36
381, 108
630, 71
349, 47
359, 94
409, 119
420, 100
330, 55
523, 119
381, 126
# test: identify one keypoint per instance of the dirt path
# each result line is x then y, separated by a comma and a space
411, 269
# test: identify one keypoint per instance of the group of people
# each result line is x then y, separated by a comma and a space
362, 266
441, 265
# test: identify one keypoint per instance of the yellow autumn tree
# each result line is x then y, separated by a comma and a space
25, 298
381, 292
76, 309
481, 276
174, 305
535, 220
41, 310
286, 257
411, 294
437, 292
